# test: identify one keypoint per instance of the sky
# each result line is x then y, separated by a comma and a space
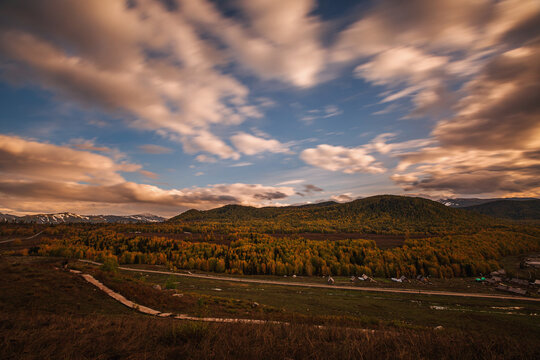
154, 106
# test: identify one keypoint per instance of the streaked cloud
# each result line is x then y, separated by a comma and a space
492, 144
241, 164
291, 182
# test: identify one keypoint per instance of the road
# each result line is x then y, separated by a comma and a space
28, 238
323, 286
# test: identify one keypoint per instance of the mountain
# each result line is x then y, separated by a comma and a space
8, 218
466, 202
376, 214
510, 209
70, 218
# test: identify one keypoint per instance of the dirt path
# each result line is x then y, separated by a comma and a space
146, 310
341, 287
149, 311
28, 238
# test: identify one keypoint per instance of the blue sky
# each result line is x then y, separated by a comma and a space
151, 106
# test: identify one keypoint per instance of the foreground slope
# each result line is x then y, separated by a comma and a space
54, 314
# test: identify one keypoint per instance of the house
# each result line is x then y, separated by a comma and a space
500, 272
511, 289
519, 281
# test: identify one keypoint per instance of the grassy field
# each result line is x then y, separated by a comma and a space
461, 284
50, 313
325, 305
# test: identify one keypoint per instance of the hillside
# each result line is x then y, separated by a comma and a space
510, 209
376, 214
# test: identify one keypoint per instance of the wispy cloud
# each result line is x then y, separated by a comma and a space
291, 182
241, 164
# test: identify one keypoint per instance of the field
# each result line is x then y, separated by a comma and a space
51, 313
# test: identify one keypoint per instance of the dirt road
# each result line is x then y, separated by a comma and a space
28, 238
341, 287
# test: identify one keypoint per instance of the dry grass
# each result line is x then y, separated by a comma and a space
51, 314
49, 336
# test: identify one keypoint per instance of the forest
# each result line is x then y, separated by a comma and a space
240, 240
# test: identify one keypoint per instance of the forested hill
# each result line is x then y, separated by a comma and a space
510, 209
378, 214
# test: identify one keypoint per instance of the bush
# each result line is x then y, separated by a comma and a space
110, 265
171, 283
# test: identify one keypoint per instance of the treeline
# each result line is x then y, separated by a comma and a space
446, 257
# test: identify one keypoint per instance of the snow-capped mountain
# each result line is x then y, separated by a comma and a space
69, 218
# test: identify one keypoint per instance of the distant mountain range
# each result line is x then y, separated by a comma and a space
70, 218
505, 208
509, 209
398, 208
466, 202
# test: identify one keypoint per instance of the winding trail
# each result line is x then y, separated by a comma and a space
323, 286
28, 238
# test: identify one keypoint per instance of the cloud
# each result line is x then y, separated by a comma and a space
309, 189
502, 105
380, 144
129, 192
325, 113
251, 145
29, 159
339, 158
84, 144
342, 198
421, 49
40, 175
469, 172
491, 145
143, 63
155, 149
149, 174
291, 182
205, 159
242, 164
280, 39
206, 141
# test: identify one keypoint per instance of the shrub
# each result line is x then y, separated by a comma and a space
110, 265
171, 283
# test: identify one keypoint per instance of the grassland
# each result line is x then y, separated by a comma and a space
50, 313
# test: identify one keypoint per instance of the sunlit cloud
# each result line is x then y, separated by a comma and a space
250, 145
339, 158
37, 173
